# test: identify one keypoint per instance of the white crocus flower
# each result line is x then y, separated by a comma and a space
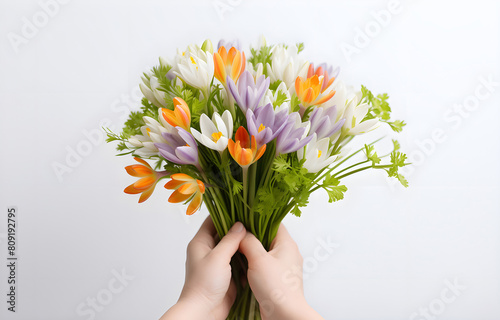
151, 134
261, 42
196, 68
286, 65
354, 115
317, 154
149, 89
256, 70
215, 133
271, 97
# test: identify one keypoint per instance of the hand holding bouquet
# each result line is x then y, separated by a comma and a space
251, 140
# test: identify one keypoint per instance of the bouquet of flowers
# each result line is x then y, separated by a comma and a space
250, 138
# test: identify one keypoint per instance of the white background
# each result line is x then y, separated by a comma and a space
396, 247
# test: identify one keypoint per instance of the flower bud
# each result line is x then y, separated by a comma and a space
207, 46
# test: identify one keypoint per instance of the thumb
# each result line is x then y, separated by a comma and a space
229, 244
252, 248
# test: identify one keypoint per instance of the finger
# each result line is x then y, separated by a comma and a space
230, 295
229, 244
282, 237
252, 248
203, 241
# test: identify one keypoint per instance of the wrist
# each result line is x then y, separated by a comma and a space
186, 309
298, 310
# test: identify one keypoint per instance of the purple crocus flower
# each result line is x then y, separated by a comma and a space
229, 44
324, 122
264, 124
249, 92
181, 148
293, 136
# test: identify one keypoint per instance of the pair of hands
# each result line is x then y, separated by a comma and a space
275, 277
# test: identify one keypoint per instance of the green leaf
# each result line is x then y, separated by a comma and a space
397, 125
295, 103
296, 211
263, 55
371, 154
379, 108
280, 98
281, 164
398, 161
396, 144
335, 193
403, 180
300, 47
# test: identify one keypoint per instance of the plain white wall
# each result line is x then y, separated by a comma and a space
395, 248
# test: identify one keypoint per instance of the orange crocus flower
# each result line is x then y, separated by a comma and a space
309, 90
230, 63
149, 178
327, 81
180, 116
244, 150
186, 187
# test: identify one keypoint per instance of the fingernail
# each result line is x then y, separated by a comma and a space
238, 227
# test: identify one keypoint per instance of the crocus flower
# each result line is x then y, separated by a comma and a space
286, 65
196, 68
151, 134
229, 44
181, 148
256, 70
326, 71
324, 122
149, 178
180, 116
354, 115
215, 133
293, 136
264, 124
309, 91
317, 154
340, 99
185, 188
149, 89
244, 151
271, 97
249, 91
207, 46
230, 64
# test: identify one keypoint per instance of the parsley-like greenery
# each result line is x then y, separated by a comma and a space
262, 195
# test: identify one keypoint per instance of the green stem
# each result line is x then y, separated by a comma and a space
315, 181
219, 209
251, 195
230, 99
245, 194
350, 167
364, 168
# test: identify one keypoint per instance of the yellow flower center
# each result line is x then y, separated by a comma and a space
148, 130
216, 136
261, 127
319, 153
192, 60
